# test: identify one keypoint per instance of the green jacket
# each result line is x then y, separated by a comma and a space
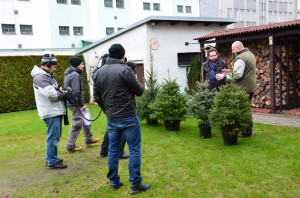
248, 80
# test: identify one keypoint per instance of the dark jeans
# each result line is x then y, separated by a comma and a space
105, 142
249, 129
130, 128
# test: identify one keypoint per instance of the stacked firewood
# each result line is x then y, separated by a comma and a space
261, 50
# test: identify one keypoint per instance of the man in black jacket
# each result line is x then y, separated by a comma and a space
212, 67
115, 88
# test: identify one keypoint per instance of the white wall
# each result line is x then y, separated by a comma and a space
171, 40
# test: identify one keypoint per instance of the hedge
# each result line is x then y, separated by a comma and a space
16, 81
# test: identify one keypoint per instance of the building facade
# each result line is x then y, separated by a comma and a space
63, 26
259, 12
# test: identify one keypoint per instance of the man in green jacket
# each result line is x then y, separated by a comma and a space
244, 66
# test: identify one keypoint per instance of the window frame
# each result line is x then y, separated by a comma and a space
28, 29
156, 6
77, 2
180, 8
188, 11
10, 29
108, 32
65, 2
76, 32
120, 4
108, 3
61, 32
145, 4
184, 58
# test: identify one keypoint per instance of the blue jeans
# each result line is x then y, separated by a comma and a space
54, 128
131, 129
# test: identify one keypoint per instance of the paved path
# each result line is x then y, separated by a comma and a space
276, 119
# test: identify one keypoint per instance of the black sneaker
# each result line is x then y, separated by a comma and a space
116, 187
139, 188
123, 156
59, 159
58, 165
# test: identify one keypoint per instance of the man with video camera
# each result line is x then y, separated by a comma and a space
50, 105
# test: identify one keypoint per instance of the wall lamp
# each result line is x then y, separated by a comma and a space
187, 43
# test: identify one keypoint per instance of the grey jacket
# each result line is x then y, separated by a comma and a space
115, 88
49, 100
72, 79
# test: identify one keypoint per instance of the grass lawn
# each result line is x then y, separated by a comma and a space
175, 164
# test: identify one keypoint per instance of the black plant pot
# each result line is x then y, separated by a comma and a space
229, 139
172, 125
205, 130
152, 121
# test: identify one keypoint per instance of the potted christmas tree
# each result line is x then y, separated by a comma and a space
170, 105
143, 102
199, 105
230, 112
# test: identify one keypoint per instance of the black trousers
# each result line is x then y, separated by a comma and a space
249, 128
105, 142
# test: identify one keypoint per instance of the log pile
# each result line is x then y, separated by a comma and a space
262, 95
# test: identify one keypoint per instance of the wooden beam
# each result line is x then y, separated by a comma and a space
272, 75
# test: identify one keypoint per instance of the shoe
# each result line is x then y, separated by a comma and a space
58, 165
92, 141
123, 156
59, 159
116, 187
74, 149
139, 188
103, 155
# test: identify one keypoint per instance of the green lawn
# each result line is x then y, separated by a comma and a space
175, 164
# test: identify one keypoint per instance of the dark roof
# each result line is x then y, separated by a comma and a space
157, 19
250, 30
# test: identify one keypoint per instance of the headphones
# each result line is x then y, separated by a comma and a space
49, 60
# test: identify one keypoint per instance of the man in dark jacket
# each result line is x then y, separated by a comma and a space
105, 142
212, 67
115, 88
72, 79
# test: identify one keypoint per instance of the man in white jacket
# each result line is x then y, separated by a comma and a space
50, 105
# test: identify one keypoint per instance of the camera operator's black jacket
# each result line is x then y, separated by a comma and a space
115, 88
72, 79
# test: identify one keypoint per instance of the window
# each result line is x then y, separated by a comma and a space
77, 31
64, 30
188, 9
146, 6
108, 3
8, 29
120, 3
109, 30
75, 2
180, 8
61, 1
26, 29
184, 59
156, 6
20, 46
